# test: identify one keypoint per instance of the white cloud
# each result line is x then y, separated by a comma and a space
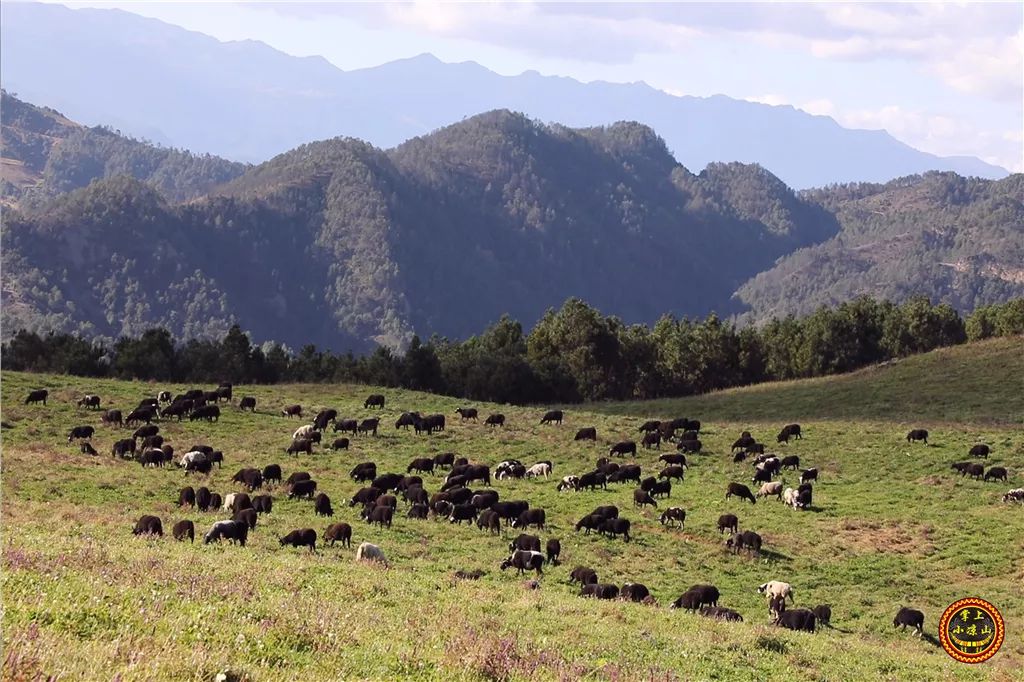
936, 133
977, 48
769, 99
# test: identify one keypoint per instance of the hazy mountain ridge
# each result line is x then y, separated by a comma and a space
45, 154
116, 68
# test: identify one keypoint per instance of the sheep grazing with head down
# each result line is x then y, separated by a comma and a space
370, 552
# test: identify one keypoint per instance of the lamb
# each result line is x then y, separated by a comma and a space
246, 516
322, 505
553, 549
589, 433
797, 619
721, 613
635, 592
673, 471
600, 591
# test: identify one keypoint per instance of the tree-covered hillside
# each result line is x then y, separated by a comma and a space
344, 245
341, 244
45, 154
959, 240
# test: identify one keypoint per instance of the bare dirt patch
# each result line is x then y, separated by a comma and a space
890, 537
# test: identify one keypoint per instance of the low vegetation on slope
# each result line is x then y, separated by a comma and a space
979, 382
891, 525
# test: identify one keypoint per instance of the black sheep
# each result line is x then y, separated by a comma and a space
305, 537
148, 525
911, 617
322, 505
339, 532
184, 529
741, 491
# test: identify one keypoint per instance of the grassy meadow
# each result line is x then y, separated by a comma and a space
83, 599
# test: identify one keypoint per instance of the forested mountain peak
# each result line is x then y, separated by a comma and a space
310, 165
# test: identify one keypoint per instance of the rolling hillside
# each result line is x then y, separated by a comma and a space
976, 382
83, 598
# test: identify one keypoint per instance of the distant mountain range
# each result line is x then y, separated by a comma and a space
345, 245
248, 102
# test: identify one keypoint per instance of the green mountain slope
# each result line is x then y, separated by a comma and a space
345, 245
45, 154
976, 382
958, 240
342, 244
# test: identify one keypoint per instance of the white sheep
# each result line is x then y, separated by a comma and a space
539, 469
303, 432
370, 552
791, 496
229, 501
775, 588
769, 489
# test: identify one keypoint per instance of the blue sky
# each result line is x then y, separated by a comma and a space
946, 78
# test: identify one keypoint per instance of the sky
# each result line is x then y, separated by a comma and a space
946, 78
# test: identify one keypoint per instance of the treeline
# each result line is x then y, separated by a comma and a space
571, 355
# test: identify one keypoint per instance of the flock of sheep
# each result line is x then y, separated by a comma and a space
458, 503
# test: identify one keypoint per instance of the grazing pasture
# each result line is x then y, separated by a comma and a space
890, 525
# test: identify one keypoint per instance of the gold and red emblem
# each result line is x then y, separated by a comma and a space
971, 630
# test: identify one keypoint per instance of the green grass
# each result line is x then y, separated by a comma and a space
84, 599
975, 383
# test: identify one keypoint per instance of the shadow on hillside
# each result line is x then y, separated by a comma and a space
772, 555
